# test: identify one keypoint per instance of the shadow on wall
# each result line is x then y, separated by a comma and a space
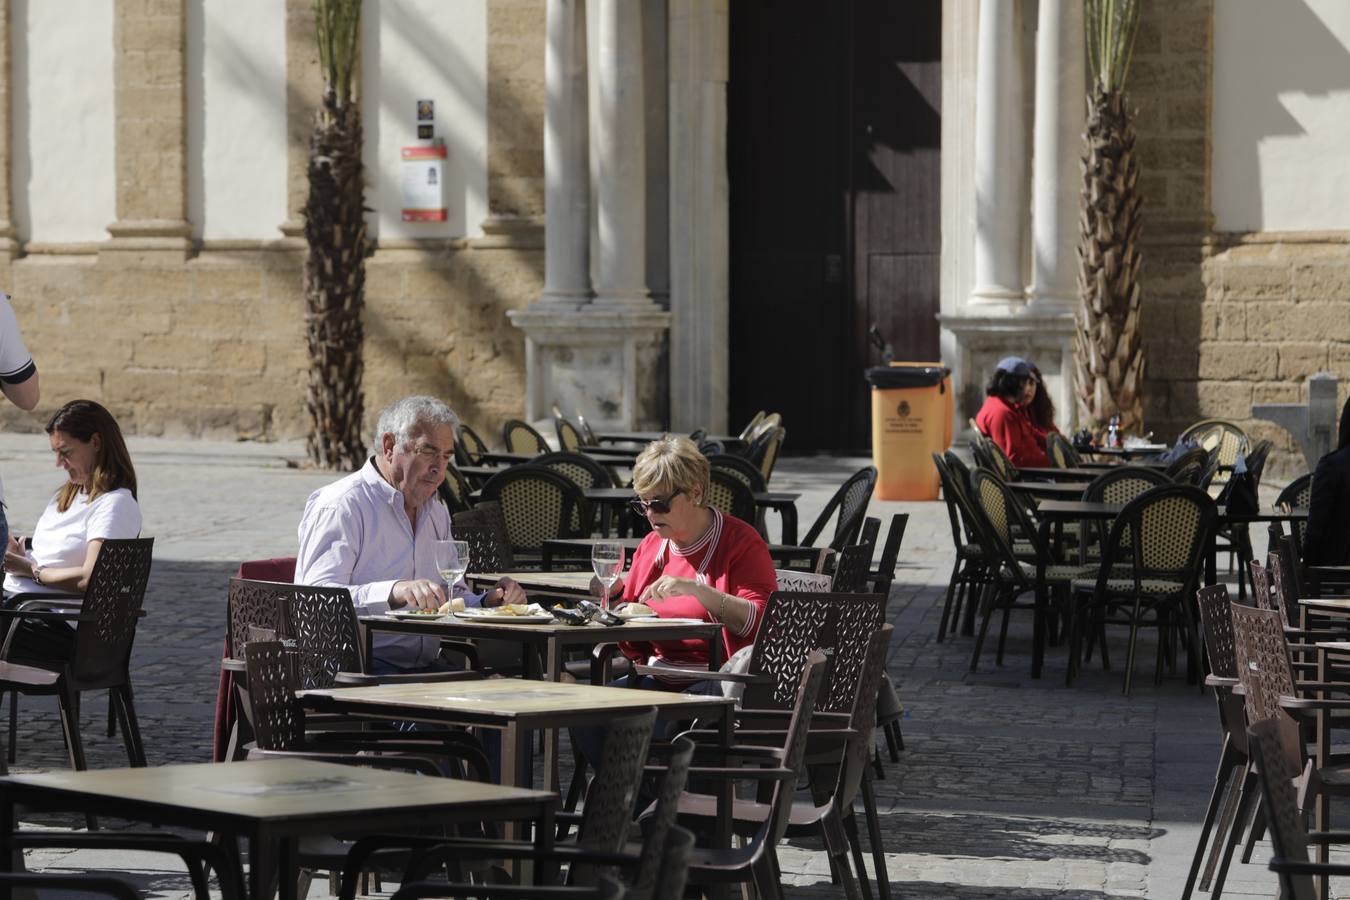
1248, 105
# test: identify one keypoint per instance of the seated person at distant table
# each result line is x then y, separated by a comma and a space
1327, 542
1003, 417
696, 563
374, 532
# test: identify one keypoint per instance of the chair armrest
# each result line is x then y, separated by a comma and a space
56, 601
1214, 681
237, 666
65, 614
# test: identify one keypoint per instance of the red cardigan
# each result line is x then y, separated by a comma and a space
1010, 428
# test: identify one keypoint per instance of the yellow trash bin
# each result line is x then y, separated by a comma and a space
911, 420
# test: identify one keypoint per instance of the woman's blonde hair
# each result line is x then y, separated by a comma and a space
671, 464
82, 419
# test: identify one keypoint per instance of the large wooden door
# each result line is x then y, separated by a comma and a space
833, 156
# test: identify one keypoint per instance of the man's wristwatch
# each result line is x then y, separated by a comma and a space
37, 574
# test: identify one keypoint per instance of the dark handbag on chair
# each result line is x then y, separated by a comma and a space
1239, 494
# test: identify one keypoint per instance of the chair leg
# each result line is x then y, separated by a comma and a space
112, 715
13, 726
764, 878
987, 610
1132, 648
947, 603
1227, 816
1003, 632
850, 824
895, 741
968, 614
1228, 761
1255, 832
70, 726
869, 799
1234, 837
131, 727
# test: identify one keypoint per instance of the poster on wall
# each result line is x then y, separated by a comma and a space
423, 183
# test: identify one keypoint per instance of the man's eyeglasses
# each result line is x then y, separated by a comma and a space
660, 507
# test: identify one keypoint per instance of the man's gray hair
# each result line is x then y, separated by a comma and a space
417, 413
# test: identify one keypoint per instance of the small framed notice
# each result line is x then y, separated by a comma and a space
423, 184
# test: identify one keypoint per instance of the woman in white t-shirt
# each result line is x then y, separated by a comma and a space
97, 503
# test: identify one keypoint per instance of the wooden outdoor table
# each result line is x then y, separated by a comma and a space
1051, 473
784, 555
1128, 452
1061, 490
272, 804
783, 502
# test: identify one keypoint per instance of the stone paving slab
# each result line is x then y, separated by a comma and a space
1008, 787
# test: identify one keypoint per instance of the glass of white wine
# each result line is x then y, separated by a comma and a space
607, 561
452, 561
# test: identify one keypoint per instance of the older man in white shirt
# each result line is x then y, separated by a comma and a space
374, 532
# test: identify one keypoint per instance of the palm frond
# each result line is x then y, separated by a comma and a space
1110, 27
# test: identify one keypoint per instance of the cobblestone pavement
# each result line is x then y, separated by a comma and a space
1008, 787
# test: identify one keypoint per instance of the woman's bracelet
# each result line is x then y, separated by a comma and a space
37, 574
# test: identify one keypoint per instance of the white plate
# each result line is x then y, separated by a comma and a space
418, 616
656, 620
499, 619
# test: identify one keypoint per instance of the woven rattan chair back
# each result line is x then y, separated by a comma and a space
1120, 485
764, 451
489, 542
1276, 775
956, 494
652, 866
587, 433
848, 508
797, 622
1297, 494
1218, 434
998, 512
1216, 619
1061, 451
742, 468
1163, 532
752, 427
520, 437
278, 718
537, 504
582, 471
730, 494
852, 565
991, 456
569, 438
469, 447
322, 623
454, 490
1186, 468
112, 606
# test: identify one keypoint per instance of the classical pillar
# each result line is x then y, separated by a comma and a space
999, 158
699, 209
1057, 144
149, 69
9, 245
621, 157
304, 93
567, 167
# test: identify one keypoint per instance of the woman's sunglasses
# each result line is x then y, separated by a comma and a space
660, 507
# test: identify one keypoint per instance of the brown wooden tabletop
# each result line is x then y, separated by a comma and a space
271, 803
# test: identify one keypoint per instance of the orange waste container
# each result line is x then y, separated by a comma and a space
911, 420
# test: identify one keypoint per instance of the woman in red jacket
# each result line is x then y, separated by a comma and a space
1004, 414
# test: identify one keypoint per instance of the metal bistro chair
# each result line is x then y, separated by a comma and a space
585, 473
764, 451
100, 656
1218, 434
454, 490
746, 471
1297, 494
730, 494
847, 507
469, 447
537, 504
520, 437
969, 571
1161, 536
569, 438
1187, 468
1061, 451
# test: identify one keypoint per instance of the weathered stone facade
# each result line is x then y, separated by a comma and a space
1230, 319
210, 341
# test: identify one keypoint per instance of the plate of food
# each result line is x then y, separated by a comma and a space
642, 614
656, 620
423, 615
508, 614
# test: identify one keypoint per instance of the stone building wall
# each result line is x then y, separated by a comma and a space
209, 341
1230, 319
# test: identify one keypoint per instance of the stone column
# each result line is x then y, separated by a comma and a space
304, 92
699, 209
9, 244
1057, 145
621, 156
149, 69
567, 167
999, 158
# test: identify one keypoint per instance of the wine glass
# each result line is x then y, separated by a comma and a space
452, 561
607, 561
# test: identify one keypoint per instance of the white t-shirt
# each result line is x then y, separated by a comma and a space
61, 539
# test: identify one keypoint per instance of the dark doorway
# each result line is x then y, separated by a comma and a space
833, 157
